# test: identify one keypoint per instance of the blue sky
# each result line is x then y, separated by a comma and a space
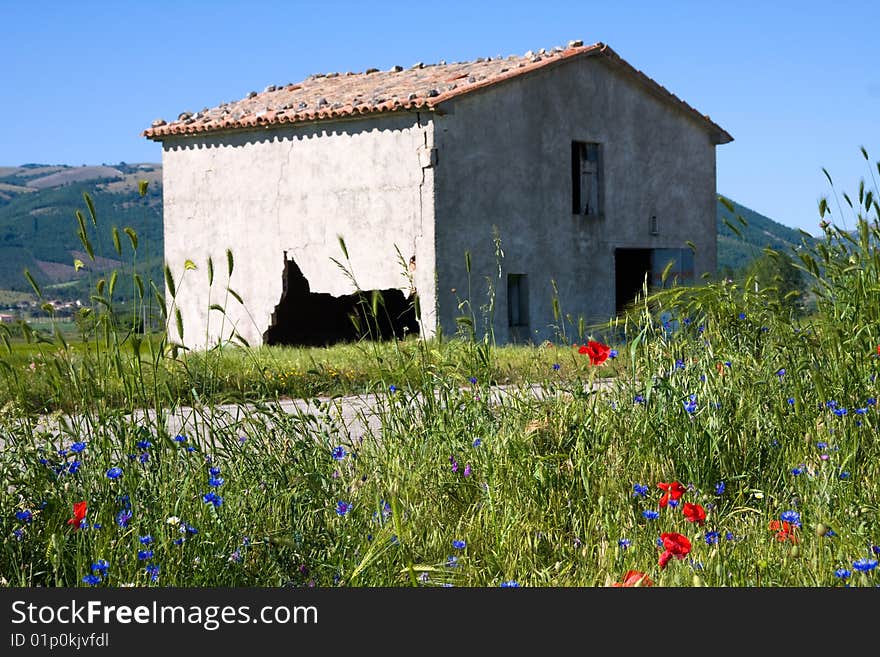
797, 84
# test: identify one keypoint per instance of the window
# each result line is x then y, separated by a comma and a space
680, 263
586, 178
517, 301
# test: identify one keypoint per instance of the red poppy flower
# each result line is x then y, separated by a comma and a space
597, 352
675, 545
784, 531
694, 513
79, 514
878, 349
634, 578
673, 492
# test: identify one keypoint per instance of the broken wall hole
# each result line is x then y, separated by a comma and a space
316, 319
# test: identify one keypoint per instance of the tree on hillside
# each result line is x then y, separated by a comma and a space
775, 269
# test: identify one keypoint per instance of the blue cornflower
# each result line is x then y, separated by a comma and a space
839, 412
624, 543
214, 471
791, 516
729, 536
641, 490
742, 315
822, 445
146, 540
679, 364
114, 473
77, 447
338, 453
215, 481
24, 516
473, 380
73, 467
727, 363
386, 509
780, 372
871, 401
452, 561
392, 388
691, 404
790, 401
91, 580
862, 411
212, 498
342, 507
720, 487
711, 538
144, 444
638, 399
650, 514
844, 475
556, 366
864, 565
178, 541
612, 353
798, 470
153, 571
19, 534
477, 442
673, 503
180, 438
100, 566
458, 545
509, 584
143, 555
842, 573
123, 517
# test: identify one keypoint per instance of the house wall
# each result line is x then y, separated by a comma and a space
292, 191
504, 159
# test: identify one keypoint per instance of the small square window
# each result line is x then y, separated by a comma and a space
586, 178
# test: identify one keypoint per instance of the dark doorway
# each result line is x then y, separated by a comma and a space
315, 319
630, 268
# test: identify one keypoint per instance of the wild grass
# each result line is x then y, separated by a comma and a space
737, 408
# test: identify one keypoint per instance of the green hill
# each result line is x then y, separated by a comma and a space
739, 244
39, 228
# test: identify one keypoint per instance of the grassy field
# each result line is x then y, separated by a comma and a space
737, 449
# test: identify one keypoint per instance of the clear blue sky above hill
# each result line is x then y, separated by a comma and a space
797, 84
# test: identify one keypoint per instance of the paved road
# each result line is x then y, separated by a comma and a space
351, 416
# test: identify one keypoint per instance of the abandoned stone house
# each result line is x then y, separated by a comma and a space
588, 174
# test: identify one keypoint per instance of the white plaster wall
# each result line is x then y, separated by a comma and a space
295, 190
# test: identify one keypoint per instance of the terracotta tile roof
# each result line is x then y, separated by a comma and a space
422, 86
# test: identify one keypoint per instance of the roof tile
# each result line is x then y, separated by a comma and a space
325, 96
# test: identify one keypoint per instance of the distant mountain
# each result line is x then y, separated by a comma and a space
39, 228
739, 244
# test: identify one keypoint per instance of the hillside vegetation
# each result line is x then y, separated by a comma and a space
39, 227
